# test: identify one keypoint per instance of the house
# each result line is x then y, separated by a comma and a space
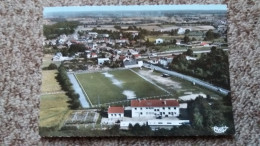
190, 58
137, 56
93, 55
182, 30
58, 57
158, 41
132, 32
115, 112
93, 34
122, 41
163, 61
102, 60
132, 63
154, 61
204, 44
155, 108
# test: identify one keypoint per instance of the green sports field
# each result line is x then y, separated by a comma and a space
98, 86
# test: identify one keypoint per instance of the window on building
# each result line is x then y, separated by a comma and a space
154, 109
135, 108
120, 115
163, 108
169, 107
174, 107
160, 123
169, 123
140, 108
141, 113
111, 114
163, 112
157, 109
169, 113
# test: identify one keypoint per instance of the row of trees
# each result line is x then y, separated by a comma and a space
67, 86
53, 31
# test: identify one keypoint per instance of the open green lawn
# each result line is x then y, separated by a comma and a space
135, 83
53, 109
46, 61
97, 85
49, 82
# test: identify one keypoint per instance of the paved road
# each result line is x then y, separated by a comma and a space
169, 53
188, 78
84, 103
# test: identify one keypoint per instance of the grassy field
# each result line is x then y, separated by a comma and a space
53, 109
186, 86
46, 61
49, 83
97, 85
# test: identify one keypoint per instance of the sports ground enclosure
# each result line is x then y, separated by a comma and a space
118, 85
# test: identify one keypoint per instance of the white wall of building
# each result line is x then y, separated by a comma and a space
102, 60
125, 124
155, 111
115, 115
158, 41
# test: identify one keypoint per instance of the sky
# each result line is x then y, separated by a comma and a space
133, 8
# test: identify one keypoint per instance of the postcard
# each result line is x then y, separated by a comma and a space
146, 70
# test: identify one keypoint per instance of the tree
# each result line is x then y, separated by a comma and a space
74, 48
198, 118
117, 27
186, 39
52, 66
187, 31
174, 41
210, 35
189, 52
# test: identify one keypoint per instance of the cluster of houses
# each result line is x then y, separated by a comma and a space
157, 113
95, 44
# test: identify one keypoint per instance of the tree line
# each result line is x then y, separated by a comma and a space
57, 29
66, 85
212, 67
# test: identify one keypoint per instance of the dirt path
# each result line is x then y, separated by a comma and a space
51, 93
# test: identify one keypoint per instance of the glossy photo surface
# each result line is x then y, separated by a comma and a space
148, 70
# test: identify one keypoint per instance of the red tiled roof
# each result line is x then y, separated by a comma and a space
115, 110
154, 103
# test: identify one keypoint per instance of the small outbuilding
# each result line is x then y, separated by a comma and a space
115, 112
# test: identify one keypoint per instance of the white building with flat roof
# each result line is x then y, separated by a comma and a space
102, 60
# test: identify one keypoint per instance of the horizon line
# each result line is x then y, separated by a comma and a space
113, 8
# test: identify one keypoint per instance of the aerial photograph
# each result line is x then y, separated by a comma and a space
136, 70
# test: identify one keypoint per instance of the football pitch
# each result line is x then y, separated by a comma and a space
118, 85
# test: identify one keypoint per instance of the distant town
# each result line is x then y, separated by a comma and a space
152, 74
